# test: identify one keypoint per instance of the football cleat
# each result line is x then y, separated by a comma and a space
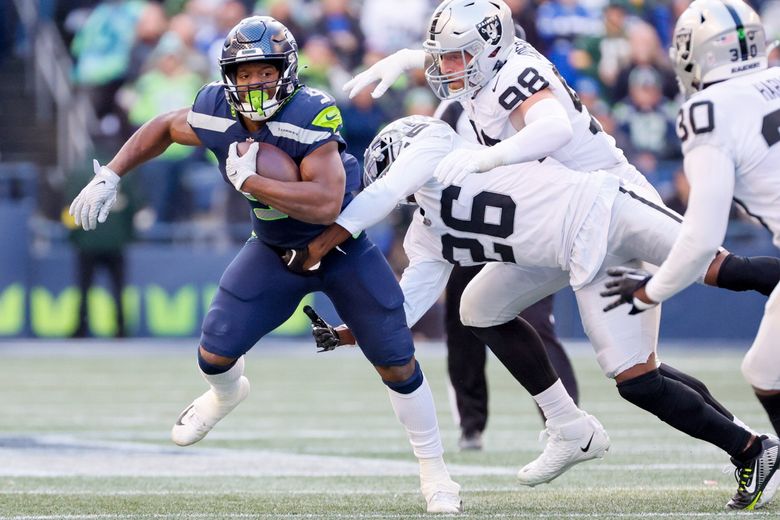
758, 479
576, 441
207, 410
442, 496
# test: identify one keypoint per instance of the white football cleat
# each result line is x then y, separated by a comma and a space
577, 441
200, 417
442, 497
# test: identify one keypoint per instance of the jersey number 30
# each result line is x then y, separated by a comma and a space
702, 120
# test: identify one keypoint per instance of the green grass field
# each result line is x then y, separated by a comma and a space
84, 435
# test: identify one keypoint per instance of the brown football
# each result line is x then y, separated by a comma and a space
272, 162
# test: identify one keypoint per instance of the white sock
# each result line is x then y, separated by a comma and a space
557, 405
417, 413
225, 385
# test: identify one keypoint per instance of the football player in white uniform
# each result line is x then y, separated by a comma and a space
522, 110
542, 226
518, 104
730, 133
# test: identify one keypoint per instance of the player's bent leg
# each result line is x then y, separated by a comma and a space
245, 307
756, 459
573, 436
540, 317
371, 304
682, 408
228, 388
412, 402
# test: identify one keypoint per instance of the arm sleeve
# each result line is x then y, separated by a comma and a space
710, 172
413, 168
422, 283
547, 128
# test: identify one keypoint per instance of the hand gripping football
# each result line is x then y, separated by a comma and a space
272, 162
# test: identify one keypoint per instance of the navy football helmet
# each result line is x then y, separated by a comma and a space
262, 39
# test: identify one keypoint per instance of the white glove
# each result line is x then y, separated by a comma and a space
239, 169
386, 70
95, 200
458, 164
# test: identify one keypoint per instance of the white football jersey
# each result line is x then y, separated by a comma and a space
528, 214
526, 72
741, 117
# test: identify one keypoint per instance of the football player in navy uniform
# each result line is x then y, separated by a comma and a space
261, 99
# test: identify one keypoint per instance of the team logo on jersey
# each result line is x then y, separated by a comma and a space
490, 29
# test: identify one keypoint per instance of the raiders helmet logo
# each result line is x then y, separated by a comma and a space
683, 42
490, 29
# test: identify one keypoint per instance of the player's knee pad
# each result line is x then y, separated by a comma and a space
740, 273
408, 385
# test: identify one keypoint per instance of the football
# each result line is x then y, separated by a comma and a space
272, 162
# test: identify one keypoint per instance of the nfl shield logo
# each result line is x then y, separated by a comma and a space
490, 29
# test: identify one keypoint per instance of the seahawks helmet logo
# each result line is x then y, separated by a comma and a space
490, 29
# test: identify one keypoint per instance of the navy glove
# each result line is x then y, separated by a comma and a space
624, 283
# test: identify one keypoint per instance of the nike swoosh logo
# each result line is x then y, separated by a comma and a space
329, 118
751, 487
100, 182
587, 446
178, 421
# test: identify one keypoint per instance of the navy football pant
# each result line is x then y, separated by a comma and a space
257, 294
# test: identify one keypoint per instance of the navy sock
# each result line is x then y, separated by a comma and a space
211, 369
408, 385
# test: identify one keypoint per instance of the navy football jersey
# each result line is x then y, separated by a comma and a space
305, 122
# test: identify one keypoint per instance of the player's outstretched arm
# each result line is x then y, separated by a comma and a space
92, 204
317, 198
543, 127
386, 71
152, 139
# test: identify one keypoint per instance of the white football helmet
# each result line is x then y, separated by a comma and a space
388, 144
715, 40
482, 31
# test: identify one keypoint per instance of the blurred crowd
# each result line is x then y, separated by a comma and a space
139, 58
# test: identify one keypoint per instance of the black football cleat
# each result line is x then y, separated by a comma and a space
758, 479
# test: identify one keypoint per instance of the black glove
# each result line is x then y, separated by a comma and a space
325, 336
625, 282
294, 259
